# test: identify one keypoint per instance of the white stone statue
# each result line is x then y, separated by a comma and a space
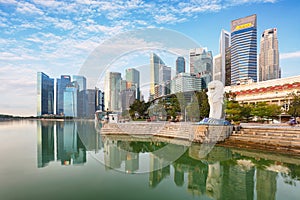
215, 99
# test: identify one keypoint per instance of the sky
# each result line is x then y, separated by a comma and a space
60, 37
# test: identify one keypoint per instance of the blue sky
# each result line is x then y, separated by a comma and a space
56, 37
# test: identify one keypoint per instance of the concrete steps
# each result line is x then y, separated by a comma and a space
273, 138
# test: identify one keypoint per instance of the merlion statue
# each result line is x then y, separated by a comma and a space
215, 99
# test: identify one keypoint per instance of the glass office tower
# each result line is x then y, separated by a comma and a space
180, 65
243, 50
70, 101
201, 64
82, 109
45, 94
133, 80
155, 62
112, 91
61, 85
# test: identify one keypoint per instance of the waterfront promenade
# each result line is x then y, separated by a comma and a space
271, 137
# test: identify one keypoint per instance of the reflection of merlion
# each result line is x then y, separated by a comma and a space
215, 99
214, 180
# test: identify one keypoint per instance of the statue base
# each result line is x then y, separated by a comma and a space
210, 130
213, 121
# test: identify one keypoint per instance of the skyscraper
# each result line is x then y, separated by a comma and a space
133, 79
61, 85
243, 49
112, 90
99, 100
180, 65
185, 82
127, 98
201, 64
228, 66
269, 56
164, 74
155, 62
91, 101
82, 110
70, 100
81, 81
219, 71
45, 94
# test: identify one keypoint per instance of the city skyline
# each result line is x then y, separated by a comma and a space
57, 37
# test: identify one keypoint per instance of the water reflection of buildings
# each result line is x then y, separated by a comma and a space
220, 174
115, 152
70, 149
159, 169
66, 142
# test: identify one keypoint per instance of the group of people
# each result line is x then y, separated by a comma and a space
293, 121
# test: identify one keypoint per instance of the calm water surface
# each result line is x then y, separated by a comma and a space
71, 160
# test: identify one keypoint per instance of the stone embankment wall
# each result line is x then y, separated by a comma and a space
183, 131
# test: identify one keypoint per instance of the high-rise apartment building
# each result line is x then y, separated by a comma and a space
45, 94
180, 65
243, 49
155, 62
219, 71
201, 64
269, 56
112, 90
61, 85
133, 80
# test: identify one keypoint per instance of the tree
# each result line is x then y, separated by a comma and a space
192, 110
246, 111
266, 111
172, 106
233, 111
294, 109
260, 110
138, 107
203, 104
273, 111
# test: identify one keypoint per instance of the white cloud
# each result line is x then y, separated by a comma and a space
8, 1
65, 24
8, 56
19, 90
169, 18
25, 7
48, 3
290, 55
239, 2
